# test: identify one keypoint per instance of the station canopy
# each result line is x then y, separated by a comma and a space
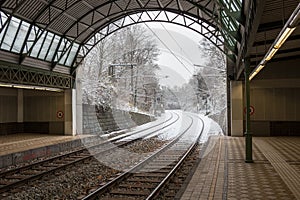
56, 35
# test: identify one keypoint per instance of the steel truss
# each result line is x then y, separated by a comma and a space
29, 76
197, 25
63, 31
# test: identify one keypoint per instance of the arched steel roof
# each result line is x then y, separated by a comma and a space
61, 32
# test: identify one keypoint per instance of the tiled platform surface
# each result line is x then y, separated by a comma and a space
17, 148
24, 141
223, 174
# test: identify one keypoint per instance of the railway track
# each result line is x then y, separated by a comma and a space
147, 179
13, 178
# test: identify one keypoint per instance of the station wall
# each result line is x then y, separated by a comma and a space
40, 109
8, 105
33, 111
275, 96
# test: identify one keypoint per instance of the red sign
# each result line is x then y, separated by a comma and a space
60, 114
251, 110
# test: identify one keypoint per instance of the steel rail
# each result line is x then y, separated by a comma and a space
101, 190
69, 155
157, 190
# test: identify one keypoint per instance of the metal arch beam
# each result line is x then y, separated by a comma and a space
233, 35
142, 7
50, 4
215, 17
231, 56
113, 20
252, 24
135, 11
87, 50
67, 7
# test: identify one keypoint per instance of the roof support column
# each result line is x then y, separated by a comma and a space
20, 109
248, 134
68, 112
77, 105
236, 101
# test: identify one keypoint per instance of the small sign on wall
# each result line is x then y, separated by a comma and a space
60, 114
251, 110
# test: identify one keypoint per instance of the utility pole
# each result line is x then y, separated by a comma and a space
131, 65
248, 134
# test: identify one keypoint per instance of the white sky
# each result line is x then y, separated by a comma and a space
183, 42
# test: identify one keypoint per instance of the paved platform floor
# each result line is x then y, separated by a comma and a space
223, 174
24, 141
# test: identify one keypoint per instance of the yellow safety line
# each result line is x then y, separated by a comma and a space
287, 173
215, 176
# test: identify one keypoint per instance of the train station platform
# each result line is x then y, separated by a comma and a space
18, 148
223, 174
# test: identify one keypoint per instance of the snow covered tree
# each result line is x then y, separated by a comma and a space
122, 68
214, 75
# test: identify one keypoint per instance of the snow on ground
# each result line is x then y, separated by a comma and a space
151, 127
211, 128
167, 133
172, 131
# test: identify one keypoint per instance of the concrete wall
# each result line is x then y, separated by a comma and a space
275, 95
98, 121
30, 111
236, 90
8, 105
42, 106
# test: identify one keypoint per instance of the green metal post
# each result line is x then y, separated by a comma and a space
248, 134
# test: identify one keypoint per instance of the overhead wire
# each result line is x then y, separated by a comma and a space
177, 43
166, 46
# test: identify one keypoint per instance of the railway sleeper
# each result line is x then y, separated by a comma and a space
30, 172
135, 192
20, 177
154, 170
117, 197
154, 167
138, 185
143, 180
151, 174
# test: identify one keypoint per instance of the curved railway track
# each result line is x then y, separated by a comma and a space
19, 176
147, 179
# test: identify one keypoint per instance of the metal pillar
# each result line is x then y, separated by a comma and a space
248, 134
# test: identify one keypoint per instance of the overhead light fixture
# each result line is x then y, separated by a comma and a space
39, 88
23, 87
5, 85
255, 71
270, 54
260, 67
252, 75
54, 89
30, 87
287, 32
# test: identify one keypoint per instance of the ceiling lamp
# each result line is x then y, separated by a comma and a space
287, 30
